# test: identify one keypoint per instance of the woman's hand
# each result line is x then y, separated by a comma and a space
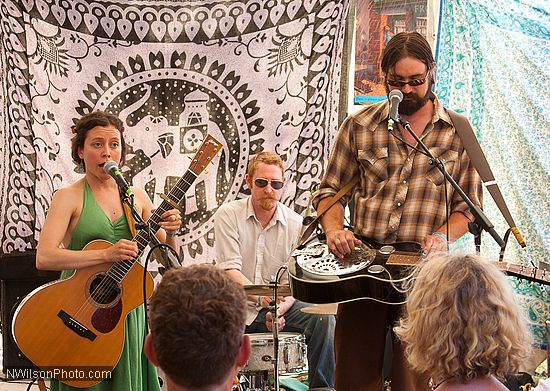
123, 250
171, 221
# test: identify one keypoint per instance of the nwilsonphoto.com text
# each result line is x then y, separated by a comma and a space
60, 373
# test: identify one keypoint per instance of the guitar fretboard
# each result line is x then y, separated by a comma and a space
200, 161
529, 273
119, 269
404, 259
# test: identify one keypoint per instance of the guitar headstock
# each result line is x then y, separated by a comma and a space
207, 151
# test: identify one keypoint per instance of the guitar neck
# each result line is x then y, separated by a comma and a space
176, 194
529, 273
209, 148
142, 238
401, 258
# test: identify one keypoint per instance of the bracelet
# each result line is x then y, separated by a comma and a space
437, 233
260, 301
171, 234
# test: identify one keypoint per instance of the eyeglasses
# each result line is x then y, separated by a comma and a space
275, 183
412, 83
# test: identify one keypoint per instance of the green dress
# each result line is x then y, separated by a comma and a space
130, 372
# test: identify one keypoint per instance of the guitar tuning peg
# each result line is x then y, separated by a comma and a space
206, 171
219, 153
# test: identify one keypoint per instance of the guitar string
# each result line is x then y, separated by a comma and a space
105, 288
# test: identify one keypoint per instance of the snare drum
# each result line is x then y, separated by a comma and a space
292, 353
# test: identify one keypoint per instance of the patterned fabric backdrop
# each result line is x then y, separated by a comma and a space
493, 65
254, 74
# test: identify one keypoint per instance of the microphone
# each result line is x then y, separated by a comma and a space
395, 97
112, 169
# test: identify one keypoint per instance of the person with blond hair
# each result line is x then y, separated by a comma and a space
197, 329
463, 326
255, 236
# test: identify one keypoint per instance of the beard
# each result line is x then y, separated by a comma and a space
412, 102
267, 203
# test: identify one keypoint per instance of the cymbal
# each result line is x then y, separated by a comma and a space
267, 290
321, 309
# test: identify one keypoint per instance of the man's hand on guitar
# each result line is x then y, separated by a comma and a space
123, 250
341, 242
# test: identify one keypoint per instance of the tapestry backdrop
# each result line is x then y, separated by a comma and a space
256, 75
493, 65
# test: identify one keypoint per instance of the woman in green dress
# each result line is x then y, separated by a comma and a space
91, 209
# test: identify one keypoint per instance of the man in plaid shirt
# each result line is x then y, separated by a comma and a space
400, 197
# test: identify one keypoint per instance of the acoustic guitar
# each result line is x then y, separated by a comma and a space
78, 324
375, 271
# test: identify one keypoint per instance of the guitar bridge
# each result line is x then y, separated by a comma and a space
76, 326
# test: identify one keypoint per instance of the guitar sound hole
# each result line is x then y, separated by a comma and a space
104, 290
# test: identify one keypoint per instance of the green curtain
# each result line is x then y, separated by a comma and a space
493, 65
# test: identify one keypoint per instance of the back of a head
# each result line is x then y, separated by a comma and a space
197, 324
462, 320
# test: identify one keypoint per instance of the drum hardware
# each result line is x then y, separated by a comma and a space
275, 327
278, 290
267, 289
258, 374
321, 309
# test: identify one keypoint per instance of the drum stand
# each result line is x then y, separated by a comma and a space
275, 330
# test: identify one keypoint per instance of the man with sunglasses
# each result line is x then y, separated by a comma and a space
399, 197
254, 237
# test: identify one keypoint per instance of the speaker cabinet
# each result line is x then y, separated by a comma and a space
19, 276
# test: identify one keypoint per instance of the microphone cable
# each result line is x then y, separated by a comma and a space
144, 287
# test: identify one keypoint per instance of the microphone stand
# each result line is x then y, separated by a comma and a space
140, 224
481, 219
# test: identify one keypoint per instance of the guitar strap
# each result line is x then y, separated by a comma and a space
309, 230
469, 140
130, 219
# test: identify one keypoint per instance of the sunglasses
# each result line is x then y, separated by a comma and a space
275, 183
412, 83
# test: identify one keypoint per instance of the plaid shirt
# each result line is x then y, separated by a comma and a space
400, 196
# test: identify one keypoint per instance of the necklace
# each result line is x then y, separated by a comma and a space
433, 385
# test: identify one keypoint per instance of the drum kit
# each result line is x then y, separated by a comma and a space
273, 354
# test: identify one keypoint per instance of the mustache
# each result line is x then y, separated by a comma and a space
410, 96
